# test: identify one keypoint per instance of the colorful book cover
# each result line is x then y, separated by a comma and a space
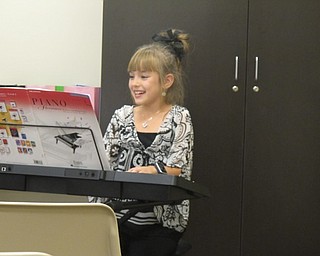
19, 143
64, 126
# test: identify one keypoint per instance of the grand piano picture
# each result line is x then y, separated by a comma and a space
70, 140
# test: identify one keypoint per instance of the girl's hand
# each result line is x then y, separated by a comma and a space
144, 169
150, 169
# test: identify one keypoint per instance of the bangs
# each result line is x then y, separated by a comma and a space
144, 60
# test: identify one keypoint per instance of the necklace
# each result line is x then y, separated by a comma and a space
145, 124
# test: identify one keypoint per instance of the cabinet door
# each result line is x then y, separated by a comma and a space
218, 29
281, 178
219, 32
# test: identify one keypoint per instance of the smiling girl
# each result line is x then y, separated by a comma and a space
154, 136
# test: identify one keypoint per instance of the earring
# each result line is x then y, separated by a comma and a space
164, 93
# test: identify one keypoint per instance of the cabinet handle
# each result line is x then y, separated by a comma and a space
235, 88
256, 88
236, 69
256, 67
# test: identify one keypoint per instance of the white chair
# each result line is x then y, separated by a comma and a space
60, 229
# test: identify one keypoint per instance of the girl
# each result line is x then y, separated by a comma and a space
154, 136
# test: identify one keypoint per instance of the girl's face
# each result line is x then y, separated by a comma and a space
145, 87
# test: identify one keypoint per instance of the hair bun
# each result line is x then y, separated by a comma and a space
171, 38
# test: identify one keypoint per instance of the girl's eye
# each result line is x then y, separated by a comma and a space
145, 75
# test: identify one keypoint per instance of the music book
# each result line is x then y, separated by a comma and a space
50, 128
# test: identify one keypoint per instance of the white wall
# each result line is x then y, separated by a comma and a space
51, 42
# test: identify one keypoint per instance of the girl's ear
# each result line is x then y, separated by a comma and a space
168, 82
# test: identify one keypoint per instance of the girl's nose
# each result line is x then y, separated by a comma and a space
135, 82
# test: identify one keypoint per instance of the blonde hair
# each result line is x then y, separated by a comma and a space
164, 58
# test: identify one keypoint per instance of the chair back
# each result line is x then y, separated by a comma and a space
61, 229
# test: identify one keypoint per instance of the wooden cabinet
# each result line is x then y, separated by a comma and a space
281, 168
254, 99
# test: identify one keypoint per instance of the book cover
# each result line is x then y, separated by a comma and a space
64, 127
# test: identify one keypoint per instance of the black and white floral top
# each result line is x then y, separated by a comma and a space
172, 145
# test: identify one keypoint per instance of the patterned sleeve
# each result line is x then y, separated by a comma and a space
111, 139
181, 153
113, 136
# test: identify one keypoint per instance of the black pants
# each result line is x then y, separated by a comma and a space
153, 240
